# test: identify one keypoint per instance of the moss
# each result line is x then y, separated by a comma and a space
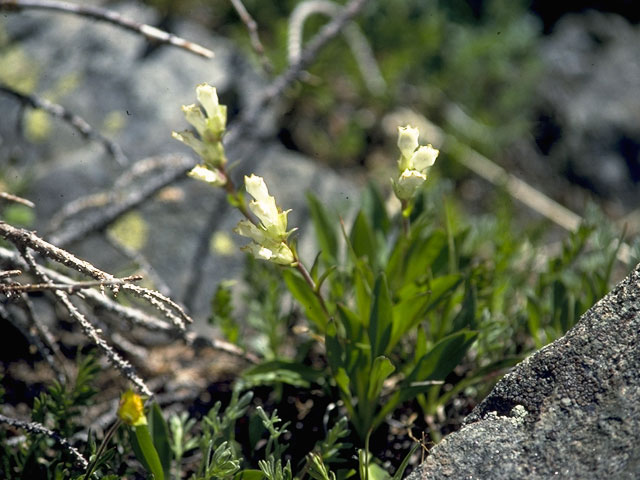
131, 230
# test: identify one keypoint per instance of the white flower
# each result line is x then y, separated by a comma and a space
279, 253
270, 235
210, 127
413, 164
216, 113
214, 177
407, 183
423, 158
212, 153
407, 140
264, 207
195, 117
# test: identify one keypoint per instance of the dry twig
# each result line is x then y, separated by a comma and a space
252, 27
89, 330
355, 39
76, 121
38, 428
175, 169
74, 287
23, 239
17, 199
133, 315
293, 73
152, 34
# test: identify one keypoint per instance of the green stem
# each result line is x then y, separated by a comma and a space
101, 449
405, 212
149, 451
305, 274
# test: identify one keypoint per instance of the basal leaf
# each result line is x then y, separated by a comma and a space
363, 239
380, 371
160, 434
381, 318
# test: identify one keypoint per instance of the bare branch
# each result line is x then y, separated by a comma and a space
152, 34
17, 199
23, 239
136, 316
76, 121
252, 27
89, 330
10, 273
293, 73
355, 39
141, 262
38, 428
68, 288
75, 231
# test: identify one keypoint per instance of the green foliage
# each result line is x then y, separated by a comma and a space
59, 409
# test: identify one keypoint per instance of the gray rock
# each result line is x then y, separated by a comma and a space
571, 410
589, 96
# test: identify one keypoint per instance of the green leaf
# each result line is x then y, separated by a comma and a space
149, 455
466, 317
362, 289
434, 366
417, 301
442, 358
282, 371
325, 230
305, 295
159, 431
342, 380
382, 368
363, 239
222, 311
403, 466
249, 475
381, 318
335, 352
411, 260
373, 205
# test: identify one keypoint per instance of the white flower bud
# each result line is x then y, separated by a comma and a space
216, 113
195, 117
214, 177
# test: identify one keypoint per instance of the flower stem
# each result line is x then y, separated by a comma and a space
305, 274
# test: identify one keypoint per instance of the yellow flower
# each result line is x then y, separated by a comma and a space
131, 409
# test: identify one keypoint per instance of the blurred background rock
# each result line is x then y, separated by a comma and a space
545, 89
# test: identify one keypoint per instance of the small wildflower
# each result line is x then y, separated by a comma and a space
131, 409
269, 237
413, 164
210, 128
214, 177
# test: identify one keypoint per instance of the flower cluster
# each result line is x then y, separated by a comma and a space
270, 235
210, 128
414, 163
